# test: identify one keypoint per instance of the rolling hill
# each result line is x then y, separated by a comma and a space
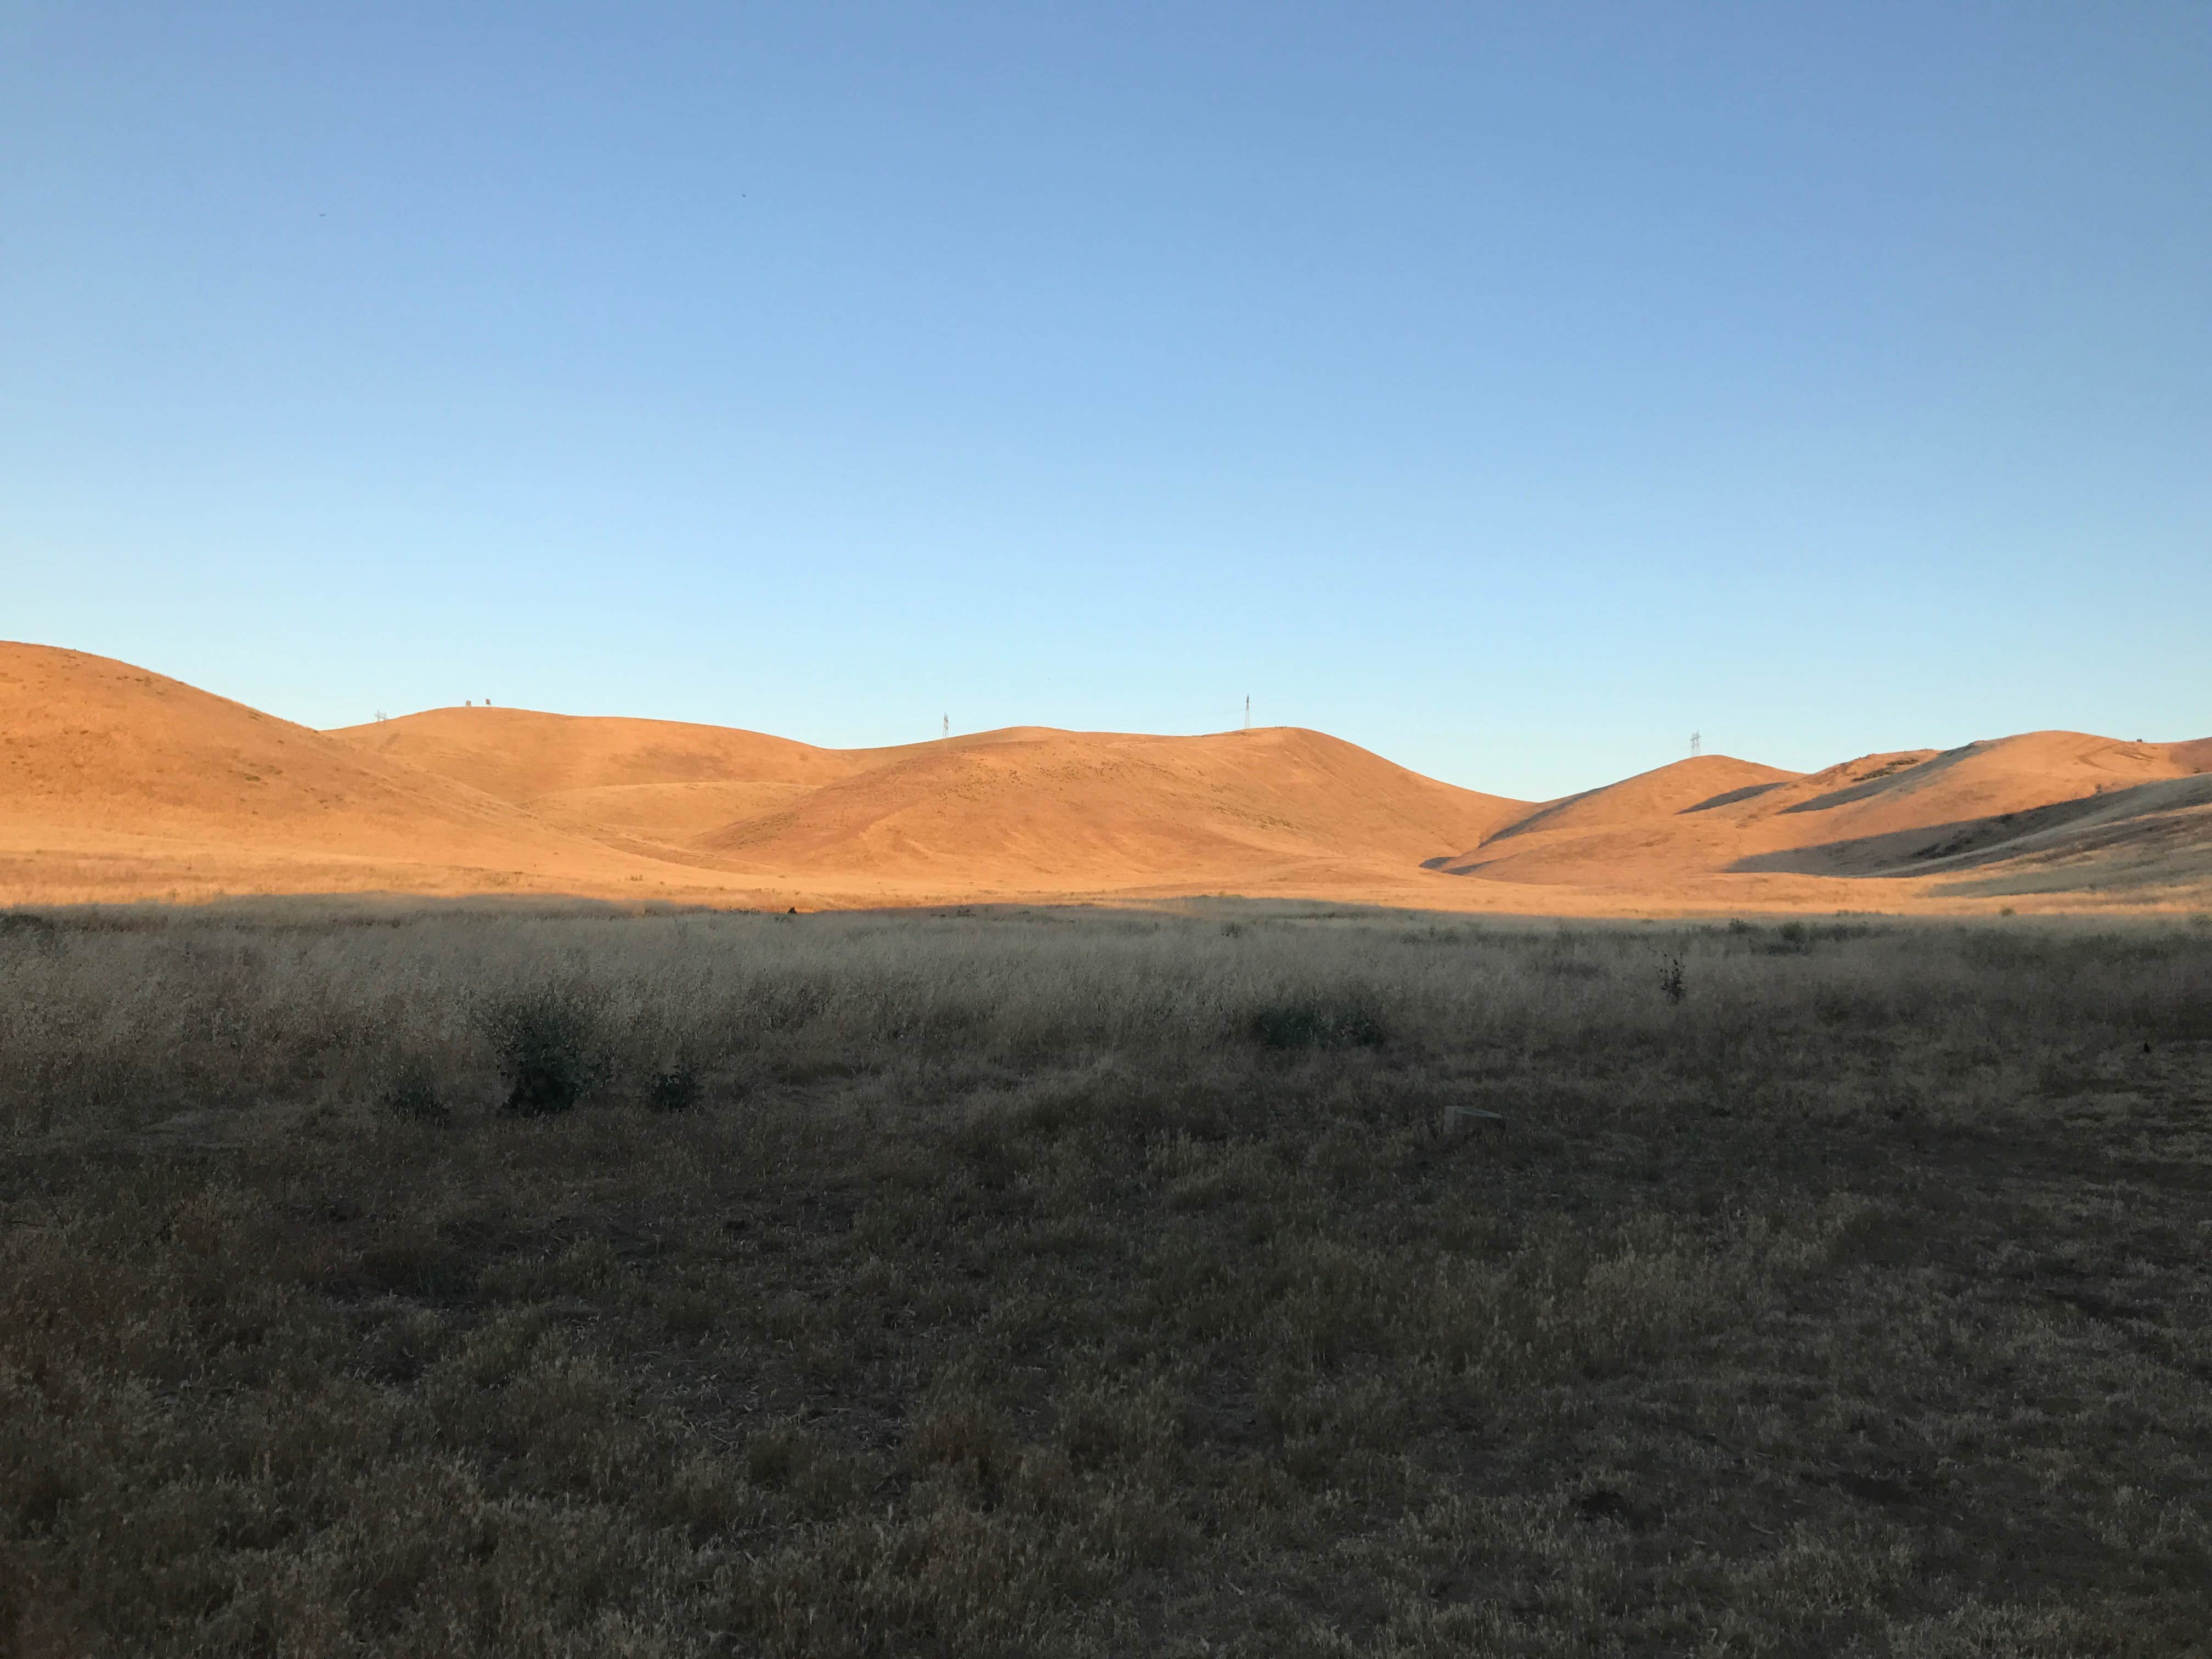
992, 811
522, 755
1108, 809
116, 782
120, 782
104, 760
2043, 810
649, 785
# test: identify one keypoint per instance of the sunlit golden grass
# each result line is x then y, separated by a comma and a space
1268, 1281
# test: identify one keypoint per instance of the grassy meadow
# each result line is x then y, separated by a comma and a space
1262, 1281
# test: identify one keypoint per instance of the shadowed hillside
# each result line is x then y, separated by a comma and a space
1700, 783
2063, 808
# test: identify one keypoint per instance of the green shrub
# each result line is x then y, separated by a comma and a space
413, 1091
549, 1047
675, 1088
21, 927
1319, 1026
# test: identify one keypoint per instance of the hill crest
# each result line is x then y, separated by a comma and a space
116, 781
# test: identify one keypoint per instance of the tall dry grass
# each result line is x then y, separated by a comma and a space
137, 1012
1268, 1281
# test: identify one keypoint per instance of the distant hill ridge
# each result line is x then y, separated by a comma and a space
1908, 815
1026, 803
119, 782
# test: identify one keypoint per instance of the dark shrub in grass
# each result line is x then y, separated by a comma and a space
548, 1044
21, 927
412, 1092
1316, 1024
675, 1088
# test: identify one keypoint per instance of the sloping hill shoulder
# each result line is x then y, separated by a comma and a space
2146, 833
1976, 781
1681, 786
2193, 756
1102, 807
95, 744
521, 755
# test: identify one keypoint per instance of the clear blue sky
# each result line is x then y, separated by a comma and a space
1509, 389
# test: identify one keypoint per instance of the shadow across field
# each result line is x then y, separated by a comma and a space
1257, 1282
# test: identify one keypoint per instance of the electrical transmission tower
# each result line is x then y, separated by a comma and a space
948, 726
1697, 742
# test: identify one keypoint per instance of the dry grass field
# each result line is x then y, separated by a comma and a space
1244, 1281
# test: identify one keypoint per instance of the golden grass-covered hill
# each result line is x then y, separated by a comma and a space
117, 783
113, 777
1023, 810
2044, 812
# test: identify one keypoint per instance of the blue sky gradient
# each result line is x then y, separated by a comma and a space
1511, 390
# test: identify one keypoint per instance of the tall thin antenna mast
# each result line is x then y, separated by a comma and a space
948, 726
1248, 711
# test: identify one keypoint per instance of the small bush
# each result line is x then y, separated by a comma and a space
1318, 1025
674, 1088
2185, 1019
1791, 938
1670, 981
549, 1045
21, 927
413, 1092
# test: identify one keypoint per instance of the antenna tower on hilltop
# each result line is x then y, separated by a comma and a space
948, 726
1697, 742
1248, 711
